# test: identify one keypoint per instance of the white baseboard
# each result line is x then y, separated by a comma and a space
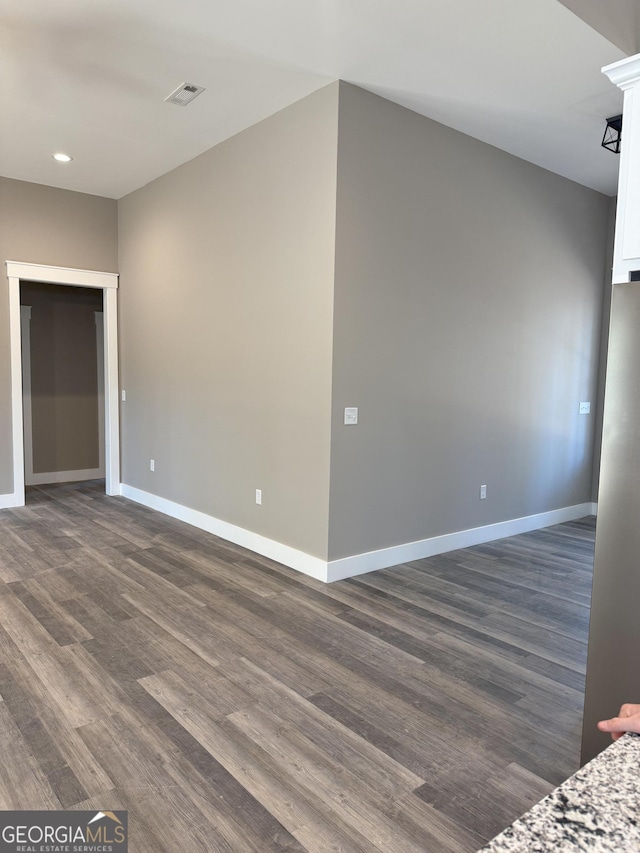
358, 564
8, 501
298, 560
64, 476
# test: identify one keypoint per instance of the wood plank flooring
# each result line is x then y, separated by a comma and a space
233, 705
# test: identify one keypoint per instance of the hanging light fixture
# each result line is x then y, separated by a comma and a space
613, 134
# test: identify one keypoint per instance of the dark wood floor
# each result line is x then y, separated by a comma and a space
233, 705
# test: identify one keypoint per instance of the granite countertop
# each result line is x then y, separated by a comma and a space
597, 809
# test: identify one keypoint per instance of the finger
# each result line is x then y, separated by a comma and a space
615, 724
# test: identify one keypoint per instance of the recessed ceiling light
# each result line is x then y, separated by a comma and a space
62, 158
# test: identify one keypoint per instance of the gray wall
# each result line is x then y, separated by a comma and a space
44, 225
617, 20
466, 325
64, 376
226, 320
613, 676
468, 296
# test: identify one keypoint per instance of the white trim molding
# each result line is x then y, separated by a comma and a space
358, 564
625, 72
9, 501
15, 333
62, 275
108, 283
298, 560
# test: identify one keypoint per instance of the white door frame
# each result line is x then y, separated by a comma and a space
108, 283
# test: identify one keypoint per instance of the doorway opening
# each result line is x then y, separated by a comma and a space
62, 383
60, 276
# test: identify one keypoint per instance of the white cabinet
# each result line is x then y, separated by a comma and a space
626, 257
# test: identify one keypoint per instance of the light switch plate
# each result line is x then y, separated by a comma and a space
351, 416
585, 408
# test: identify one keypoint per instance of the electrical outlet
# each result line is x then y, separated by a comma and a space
585, 408
259, 497
152, 464
483, 493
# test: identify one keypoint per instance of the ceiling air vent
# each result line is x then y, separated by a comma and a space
184, 94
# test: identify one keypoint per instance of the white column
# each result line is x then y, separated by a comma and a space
626, 256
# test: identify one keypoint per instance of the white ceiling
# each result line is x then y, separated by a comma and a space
89, 77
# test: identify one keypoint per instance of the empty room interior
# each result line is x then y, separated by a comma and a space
303, 353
